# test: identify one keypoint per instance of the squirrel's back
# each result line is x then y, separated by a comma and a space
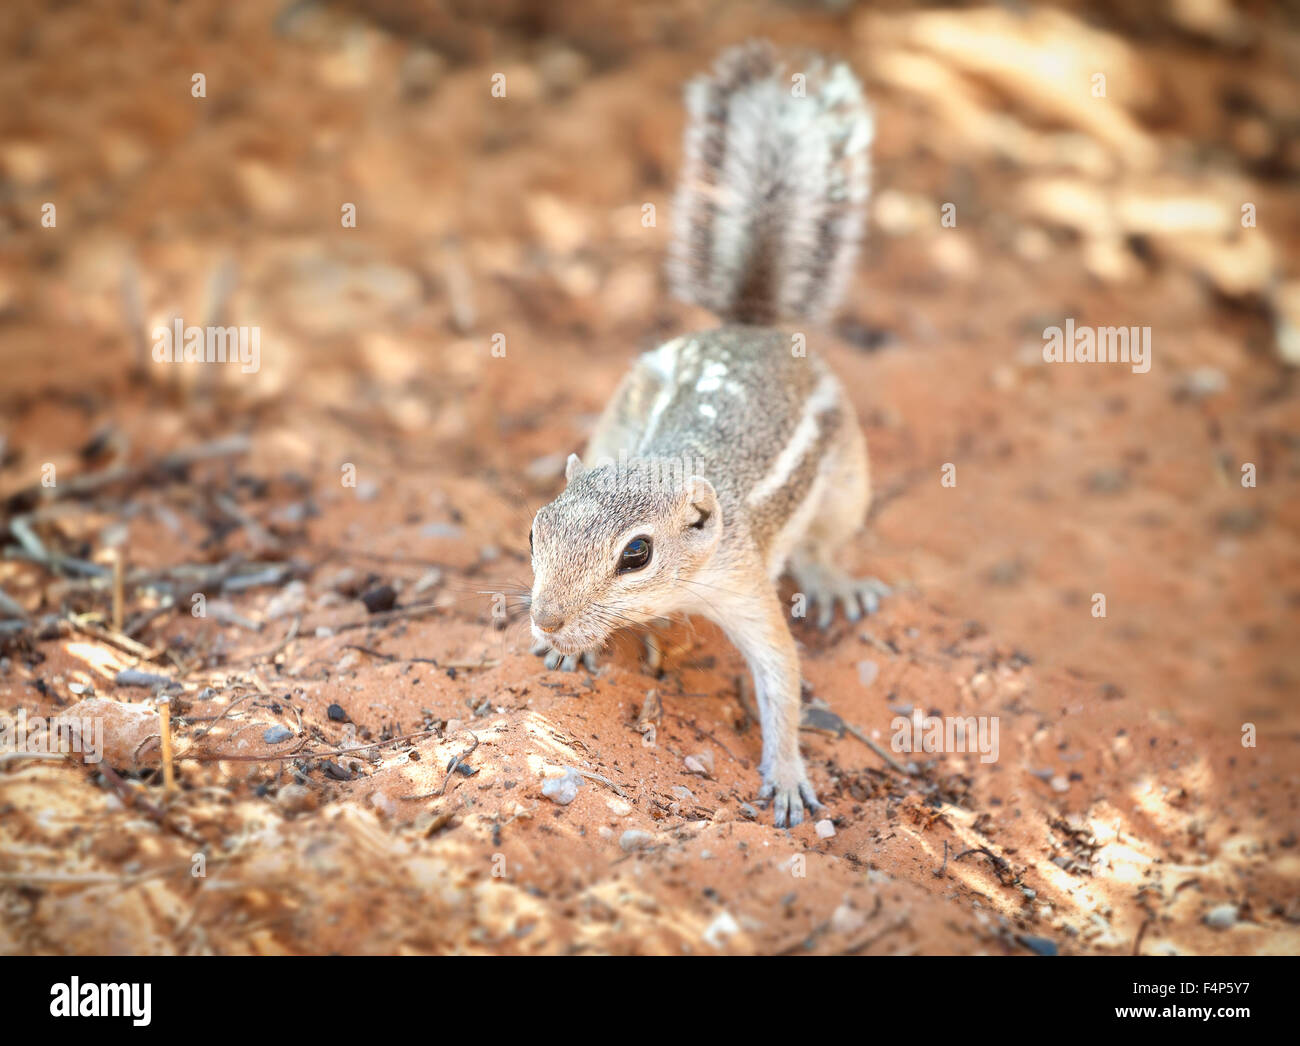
776, 170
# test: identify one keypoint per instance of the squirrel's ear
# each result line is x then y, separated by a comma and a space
701, 516
573, 468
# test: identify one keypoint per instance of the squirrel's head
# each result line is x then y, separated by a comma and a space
617, 548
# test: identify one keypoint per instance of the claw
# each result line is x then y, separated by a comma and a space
553, 659
789, 802
781, 809
826, 586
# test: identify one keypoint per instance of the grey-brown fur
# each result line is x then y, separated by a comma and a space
731, 452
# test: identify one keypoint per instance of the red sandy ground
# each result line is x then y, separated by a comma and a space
1123, 806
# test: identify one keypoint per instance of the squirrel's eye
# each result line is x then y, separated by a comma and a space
635, 556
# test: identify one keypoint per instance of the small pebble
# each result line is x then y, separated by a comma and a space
722, 927
824, 829
633, 839
134, 677
337, 714
440, 530
276, 734
1222, 917
379, 599
847, 920
563, 789
290, 600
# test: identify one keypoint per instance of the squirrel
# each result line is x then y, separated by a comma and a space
728, 456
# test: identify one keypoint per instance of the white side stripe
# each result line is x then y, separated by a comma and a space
823, 397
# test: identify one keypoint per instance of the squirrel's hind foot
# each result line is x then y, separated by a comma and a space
553, 659
826, 585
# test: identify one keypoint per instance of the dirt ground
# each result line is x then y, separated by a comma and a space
354, 514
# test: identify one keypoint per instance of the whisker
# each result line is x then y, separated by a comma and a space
719, 588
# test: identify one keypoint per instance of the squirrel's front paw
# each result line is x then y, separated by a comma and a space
565, 662
790, 792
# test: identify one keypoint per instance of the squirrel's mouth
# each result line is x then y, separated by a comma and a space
569, 640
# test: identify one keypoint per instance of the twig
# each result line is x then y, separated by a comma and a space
1005, 875
165, 728
468, 665
389, 615
602, 779
265, 655
457, 760
119, 594
216, 757
861, 946
10, 606
1142, 932
943, 867
228, 446
144, 619
369, 652
7, 756
114, 639
889, 759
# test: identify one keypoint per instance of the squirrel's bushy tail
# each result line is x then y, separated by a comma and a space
776, 171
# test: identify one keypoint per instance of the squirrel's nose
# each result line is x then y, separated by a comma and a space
547, 620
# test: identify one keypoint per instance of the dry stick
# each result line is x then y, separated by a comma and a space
389, 615
456, 761
215, 720
856, 732
1006, 876
10, 607
147, 617
114, 639
7, 756
861, 946
603, 780
119, 595
258, 533
20, 527
165, 727
99, 878
1142, 932
227, 446
214, 757
289, 637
